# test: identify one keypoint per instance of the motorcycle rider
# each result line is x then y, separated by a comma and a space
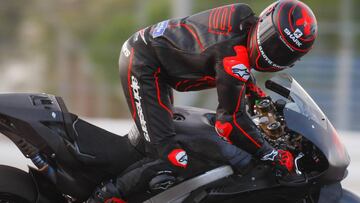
215, 48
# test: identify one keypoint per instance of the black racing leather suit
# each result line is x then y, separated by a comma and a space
205, 50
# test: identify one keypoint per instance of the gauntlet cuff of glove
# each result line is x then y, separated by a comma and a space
172, 152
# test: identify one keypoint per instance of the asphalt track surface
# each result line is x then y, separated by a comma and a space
10, 155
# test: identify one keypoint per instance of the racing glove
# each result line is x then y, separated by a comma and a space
173, 153
283, 161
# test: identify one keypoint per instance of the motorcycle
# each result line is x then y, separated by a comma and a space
72, 157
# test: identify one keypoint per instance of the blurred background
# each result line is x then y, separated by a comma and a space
70, 48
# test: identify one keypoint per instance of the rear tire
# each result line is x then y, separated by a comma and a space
16, 186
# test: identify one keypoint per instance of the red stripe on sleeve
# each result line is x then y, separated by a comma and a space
129, 84
158, 92
238, 126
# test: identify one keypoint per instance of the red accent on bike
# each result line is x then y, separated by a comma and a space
114, 200
129, 84
178, 157
241, 57
238, 126
286, 159
224, 130
156, 76
220, 20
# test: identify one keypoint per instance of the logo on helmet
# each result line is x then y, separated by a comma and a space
298, 33
294, 37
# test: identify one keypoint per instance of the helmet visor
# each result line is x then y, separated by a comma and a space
272, 47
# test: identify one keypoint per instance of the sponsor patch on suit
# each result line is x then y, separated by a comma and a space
160, 29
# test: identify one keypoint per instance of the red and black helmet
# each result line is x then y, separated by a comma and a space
285, 31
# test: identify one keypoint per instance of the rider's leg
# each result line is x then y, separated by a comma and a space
142, 174
211, 146
147, 95
150, 105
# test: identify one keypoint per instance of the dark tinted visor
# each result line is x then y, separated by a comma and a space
273, 46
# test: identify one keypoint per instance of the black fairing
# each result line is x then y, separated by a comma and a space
21, 117
303, 116
190, 120
326, 139
82, 154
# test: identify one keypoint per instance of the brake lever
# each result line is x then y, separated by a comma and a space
295, 181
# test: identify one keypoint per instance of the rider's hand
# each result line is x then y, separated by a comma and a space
283, 160
173, 153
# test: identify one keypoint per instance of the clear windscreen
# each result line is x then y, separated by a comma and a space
301, 102
303, 115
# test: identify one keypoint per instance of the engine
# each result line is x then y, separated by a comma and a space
269, 117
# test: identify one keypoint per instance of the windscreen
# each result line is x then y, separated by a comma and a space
302, 102
304, 116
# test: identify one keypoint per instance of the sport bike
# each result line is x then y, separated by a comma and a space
72, 157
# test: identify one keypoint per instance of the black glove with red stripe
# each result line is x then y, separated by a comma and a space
283, 161
173, 153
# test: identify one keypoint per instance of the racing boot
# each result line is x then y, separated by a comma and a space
106, 193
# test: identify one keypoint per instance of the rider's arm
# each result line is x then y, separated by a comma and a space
232, 75
253, 90
253, 93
